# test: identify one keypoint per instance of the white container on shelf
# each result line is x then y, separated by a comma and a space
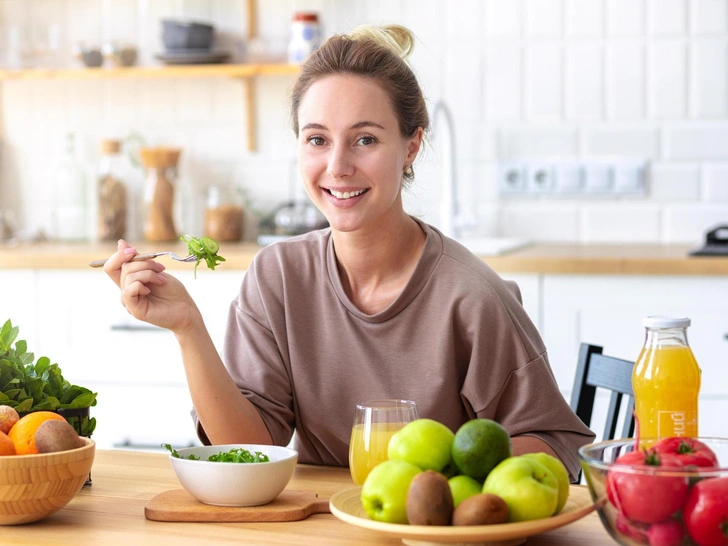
305, 36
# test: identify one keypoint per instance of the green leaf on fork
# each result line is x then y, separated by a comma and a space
203, 249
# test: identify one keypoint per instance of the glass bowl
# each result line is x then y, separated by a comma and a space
654, 505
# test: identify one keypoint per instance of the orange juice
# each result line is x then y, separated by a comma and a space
666, 383
368, 447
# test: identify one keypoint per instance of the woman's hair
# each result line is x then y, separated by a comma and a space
377, 53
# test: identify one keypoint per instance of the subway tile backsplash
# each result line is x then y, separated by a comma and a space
525, 79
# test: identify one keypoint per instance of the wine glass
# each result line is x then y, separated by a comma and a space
375, 423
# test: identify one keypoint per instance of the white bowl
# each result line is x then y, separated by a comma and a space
235, 484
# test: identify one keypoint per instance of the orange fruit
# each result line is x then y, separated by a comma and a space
23, 432
7, 447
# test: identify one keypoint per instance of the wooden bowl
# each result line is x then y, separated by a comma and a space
33, 487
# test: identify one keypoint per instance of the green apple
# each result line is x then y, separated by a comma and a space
462, 487
424, 443
528, 487
559, 471
384, 492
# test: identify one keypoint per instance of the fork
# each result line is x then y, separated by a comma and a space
139, 257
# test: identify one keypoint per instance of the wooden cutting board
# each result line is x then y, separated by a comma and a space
179, 505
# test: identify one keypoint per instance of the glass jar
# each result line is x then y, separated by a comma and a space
160, 168
112, 194
224, 214
666, 381
71, 215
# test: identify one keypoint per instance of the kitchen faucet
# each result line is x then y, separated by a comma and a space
449, 208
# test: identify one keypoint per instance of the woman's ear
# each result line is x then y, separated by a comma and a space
413, 145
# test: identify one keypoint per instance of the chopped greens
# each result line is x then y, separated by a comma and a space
203, 249
236, 455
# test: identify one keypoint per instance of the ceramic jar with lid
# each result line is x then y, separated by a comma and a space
305, 36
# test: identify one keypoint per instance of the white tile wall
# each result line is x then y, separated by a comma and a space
524, 78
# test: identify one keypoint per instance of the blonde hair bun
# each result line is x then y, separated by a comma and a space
395, 37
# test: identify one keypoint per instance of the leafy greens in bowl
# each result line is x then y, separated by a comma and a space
31, 386
223, 484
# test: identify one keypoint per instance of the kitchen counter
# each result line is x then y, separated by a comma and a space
538, 258
111, 512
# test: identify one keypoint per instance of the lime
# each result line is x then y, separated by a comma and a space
479, 445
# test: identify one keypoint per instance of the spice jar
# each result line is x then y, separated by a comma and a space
111, 194
224, 214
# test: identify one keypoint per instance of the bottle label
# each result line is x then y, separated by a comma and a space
671, 423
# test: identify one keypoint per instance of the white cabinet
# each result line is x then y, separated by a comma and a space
18, 302
608, 310
136, 368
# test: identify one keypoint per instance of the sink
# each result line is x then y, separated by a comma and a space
492, 246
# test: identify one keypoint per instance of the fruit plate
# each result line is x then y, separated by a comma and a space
346, 506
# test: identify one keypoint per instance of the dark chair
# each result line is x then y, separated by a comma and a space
593, 371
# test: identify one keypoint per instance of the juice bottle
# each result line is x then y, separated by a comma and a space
666, 381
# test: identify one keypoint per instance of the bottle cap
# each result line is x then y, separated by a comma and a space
663, 321
305, 16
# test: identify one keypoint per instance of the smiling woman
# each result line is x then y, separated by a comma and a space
379, 305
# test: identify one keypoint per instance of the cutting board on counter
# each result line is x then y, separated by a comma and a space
179, 505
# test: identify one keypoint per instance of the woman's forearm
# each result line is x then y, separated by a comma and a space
227, 416
530, 444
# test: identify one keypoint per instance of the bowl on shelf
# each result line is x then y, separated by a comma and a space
234, 484
186, 35
656, 504
33, 487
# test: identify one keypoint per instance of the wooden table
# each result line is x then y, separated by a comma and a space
111, 513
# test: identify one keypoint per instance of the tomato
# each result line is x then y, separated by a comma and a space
688, 451
706, 512
666, 533
642, 496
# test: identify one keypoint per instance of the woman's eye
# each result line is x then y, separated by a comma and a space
316, 140
367, 140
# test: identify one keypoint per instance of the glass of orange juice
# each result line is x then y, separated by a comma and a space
375, 423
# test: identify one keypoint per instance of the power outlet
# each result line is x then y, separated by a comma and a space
598, 178
629, 178
512, 178
568, 178
540, 178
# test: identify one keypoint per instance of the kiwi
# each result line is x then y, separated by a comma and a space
54, 435
481, 509
429, 499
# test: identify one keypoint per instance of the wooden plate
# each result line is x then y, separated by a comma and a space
346, 506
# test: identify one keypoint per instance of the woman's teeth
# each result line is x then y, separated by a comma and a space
346, 194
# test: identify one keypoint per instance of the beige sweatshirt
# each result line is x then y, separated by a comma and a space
457, 341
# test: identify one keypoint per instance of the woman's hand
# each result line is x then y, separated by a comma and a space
149, 294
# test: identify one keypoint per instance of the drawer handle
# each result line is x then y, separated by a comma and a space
136, 328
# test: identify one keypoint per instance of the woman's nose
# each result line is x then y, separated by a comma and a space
340, 163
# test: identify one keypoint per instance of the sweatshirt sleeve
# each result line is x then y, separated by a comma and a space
253, 358
530, 403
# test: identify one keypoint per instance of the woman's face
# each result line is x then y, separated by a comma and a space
351, 153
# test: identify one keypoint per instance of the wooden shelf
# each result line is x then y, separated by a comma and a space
243, 72
142, 72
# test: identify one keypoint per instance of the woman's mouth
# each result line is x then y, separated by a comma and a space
346, 194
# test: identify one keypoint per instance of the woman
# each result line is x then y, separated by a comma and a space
380, 305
